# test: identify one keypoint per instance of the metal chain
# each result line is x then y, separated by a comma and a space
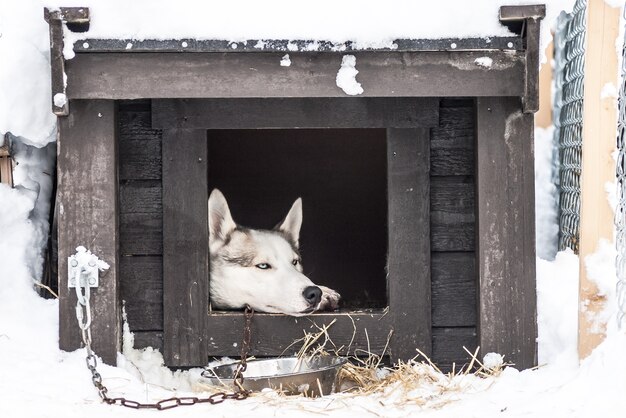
83, 314
620, 210
245, 348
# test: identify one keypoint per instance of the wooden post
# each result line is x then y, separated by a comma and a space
598, 167
543, 118
408, 262
6, 163
505, 243
185, 246
87, 196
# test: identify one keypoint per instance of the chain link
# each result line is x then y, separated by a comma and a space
83, 315
620, 210
570, 60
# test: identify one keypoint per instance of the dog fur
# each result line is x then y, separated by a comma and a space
261, 268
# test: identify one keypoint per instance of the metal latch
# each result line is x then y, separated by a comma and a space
84, 267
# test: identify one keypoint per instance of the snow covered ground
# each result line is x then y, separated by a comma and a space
39, 380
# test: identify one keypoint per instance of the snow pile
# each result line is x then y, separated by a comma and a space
285, 61
546, 195
557, 309
484, 62
346, 76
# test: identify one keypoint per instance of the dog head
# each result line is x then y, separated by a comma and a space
260, 268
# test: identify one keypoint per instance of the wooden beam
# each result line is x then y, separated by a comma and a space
272, 334
56, 18
505, 243
528, 19
598, 166
185, 246
87, 195
408, 260
258, 74
349, 112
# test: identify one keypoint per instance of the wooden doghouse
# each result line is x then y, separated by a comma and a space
418, 194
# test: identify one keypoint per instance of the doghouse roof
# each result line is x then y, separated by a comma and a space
129, 68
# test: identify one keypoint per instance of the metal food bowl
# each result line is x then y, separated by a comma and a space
311, 377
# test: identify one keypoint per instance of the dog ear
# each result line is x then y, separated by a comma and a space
292, 222
221, 223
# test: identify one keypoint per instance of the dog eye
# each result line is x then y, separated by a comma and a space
295, 262
263, 266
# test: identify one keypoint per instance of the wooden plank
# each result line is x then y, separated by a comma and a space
144, 339
349, 112
87, 193
452, 213
505, 243
140, 159
141, 234
530, 99
408, 260
185, 246
272, 334
254, 74
452, 142
291, 45
448, 346
141, 288
454, 290
139, 143
141, 197
456, 236
598, 165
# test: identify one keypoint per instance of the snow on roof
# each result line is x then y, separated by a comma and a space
24, 45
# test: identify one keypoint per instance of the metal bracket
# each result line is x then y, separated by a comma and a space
86, 274
77, 18
529, 17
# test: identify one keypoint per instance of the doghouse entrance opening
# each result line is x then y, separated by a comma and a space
341, 175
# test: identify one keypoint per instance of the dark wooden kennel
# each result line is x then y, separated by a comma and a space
418, 194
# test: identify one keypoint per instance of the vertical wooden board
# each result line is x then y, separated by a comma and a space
408, 153
87, 193
185, 246
598, 165
505, 245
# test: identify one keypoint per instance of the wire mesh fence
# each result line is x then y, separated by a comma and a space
570, 56
620, 210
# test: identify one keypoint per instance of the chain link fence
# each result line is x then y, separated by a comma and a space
620, 210
569, 78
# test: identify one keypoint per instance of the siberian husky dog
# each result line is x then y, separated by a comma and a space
261, 268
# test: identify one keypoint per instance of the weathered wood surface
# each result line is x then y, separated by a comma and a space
408, 259
506, 230
448, 346
452, 216
291, 45
448, 343
349, 112
224, 75
452, 141
185, 246
141, 234
272, 334
141, 288
453, 294
453, 289
87, 193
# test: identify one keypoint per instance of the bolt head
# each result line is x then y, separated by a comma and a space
92, 281
74, 263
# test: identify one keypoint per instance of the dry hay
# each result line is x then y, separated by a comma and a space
418, 381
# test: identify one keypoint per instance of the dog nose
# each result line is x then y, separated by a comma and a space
313, 295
